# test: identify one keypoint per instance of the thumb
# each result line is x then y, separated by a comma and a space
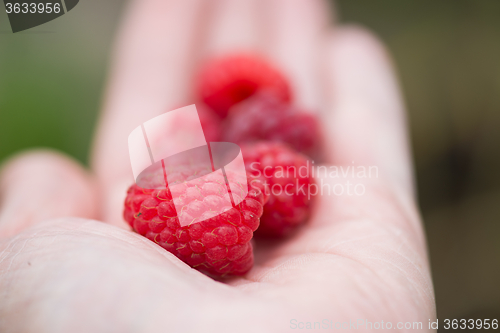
40, 185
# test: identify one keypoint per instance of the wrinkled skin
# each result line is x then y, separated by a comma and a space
69, 264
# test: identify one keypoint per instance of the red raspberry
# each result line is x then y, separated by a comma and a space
226, 81
288, 177
263, 117
219, 245
210, 123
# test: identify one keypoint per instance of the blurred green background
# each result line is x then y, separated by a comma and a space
448, 58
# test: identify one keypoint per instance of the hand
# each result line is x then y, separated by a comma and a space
361, 257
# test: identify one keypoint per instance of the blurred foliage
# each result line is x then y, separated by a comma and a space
447, 55
52, 77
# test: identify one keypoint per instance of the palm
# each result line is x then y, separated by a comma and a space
360, 257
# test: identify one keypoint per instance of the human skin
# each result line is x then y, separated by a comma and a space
69, 263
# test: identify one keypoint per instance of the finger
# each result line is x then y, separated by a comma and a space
296, 30
153, 62
365, 122
41, 185
235, 26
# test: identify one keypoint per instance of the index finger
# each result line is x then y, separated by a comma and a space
153, 60
152, 67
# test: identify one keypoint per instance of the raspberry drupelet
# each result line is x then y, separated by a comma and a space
217, 240
288, 179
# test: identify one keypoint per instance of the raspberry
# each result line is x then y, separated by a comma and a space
263, 117
288, 177
226, 81
210, 123
219, 244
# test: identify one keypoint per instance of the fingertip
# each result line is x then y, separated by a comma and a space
41, 184
359, 37
357, 55
43, 157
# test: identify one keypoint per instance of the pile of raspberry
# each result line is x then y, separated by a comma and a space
246, 100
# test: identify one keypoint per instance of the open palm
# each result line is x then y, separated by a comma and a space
360, 258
